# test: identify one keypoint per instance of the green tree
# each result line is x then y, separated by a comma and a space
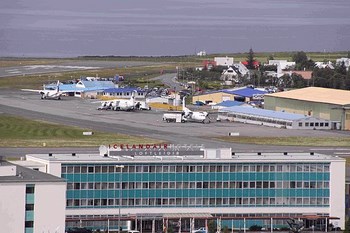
211, 226
302, 62
300, 57
250, 60
225, 230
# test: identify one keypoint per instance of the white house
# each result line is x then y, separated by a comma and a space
224, 61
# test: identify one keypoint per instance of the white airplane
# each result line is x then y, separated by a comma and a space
195, 116
52, 93
123, 105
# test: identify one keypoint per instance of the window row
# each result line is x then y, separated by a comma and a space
246, 201
200, 185
313, 124
260, 119
196, 168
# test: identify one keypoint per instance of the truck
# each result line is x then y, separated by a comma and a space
174, 116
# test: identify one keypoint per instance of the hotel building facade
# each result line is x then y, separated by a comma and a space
241, 189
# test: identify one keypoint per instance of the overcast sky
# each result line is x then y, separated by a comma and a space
171, 27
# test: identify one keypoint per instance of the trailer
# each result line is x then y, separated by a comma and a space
174, 116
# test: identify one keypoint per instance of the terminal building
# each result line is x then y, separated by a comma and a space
31, 201
146, 186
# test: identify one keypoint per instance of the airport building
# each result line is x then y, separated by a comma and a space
325, 103
278, 119
31, 201
143, 186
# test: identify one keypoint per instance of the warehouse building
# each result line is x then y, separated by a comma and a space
258, 116
324, 103
136, 186
31, 201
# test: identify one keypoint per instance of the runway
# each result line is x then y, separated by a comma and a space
82, 113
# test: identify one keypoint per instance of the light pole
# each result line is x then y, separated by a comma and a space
120, 193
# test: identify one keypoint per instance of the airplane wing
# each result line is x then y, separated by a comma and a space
32, 90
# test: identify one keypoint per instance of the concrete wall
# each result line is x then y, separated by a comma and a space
217, 97
49, 207
337, 192
12, 207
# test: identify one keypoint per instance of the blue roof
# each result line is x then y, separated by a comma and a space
245, 92
265, 113
89, 86
123, 90
229, 103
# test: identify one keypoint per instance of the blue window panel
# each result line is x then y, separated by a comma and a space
292, 192
279, 176
259, 176
205, 193
320, 193
205, 176
212, 193
98, 177
246, 176
272, 192
164, 193
279, 192
104, 177
83, 194
326, 176
172, 177
29, 215
131, 193
225, 193
326, 192
306, 192
199, 176
313, 176
211, 176
29, 230
285, 192
145, 193
152, 177
185, 192
226, 176
265, 176
219, 176
239, 193
245, 192
192, 176
306, 176
286, 176
299, 176
219, 192
233, 176
239, 176
292, 176
154, 193
313, 193
185, 176
252, 176
172, 193
138, 177
192, 192
138, 193
252, 192
70, 194
84, 178
178, 193
70, 177
30, 198
132, 177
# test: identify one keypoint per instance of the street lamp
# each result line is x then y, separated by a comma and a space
120, 193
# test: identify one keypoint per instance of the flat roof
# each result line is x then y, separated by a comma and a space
236, 157
265, 113
25, 175
316, 94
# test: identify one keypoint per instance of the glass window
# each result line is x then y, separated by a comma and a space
91, 169
145, 168
29, 189
97, 169
300, 124
172, 185
171, 168
70, 169
199, 168
83, 169
104, 169
159, 169
29, 207
165, 168
139, 169
326, 168
63, 169
145, 185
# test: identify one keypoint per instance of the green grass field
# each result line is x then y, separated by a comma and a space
290, 141
20, 132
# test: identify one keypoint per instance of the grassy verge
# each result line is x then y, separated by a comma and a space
290, 141
20, 132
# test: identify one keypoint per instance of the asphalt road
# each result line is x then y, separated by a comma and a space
82, 113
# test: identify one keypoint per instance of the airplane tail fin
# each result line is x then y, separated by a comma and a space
132, 98
58, 86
